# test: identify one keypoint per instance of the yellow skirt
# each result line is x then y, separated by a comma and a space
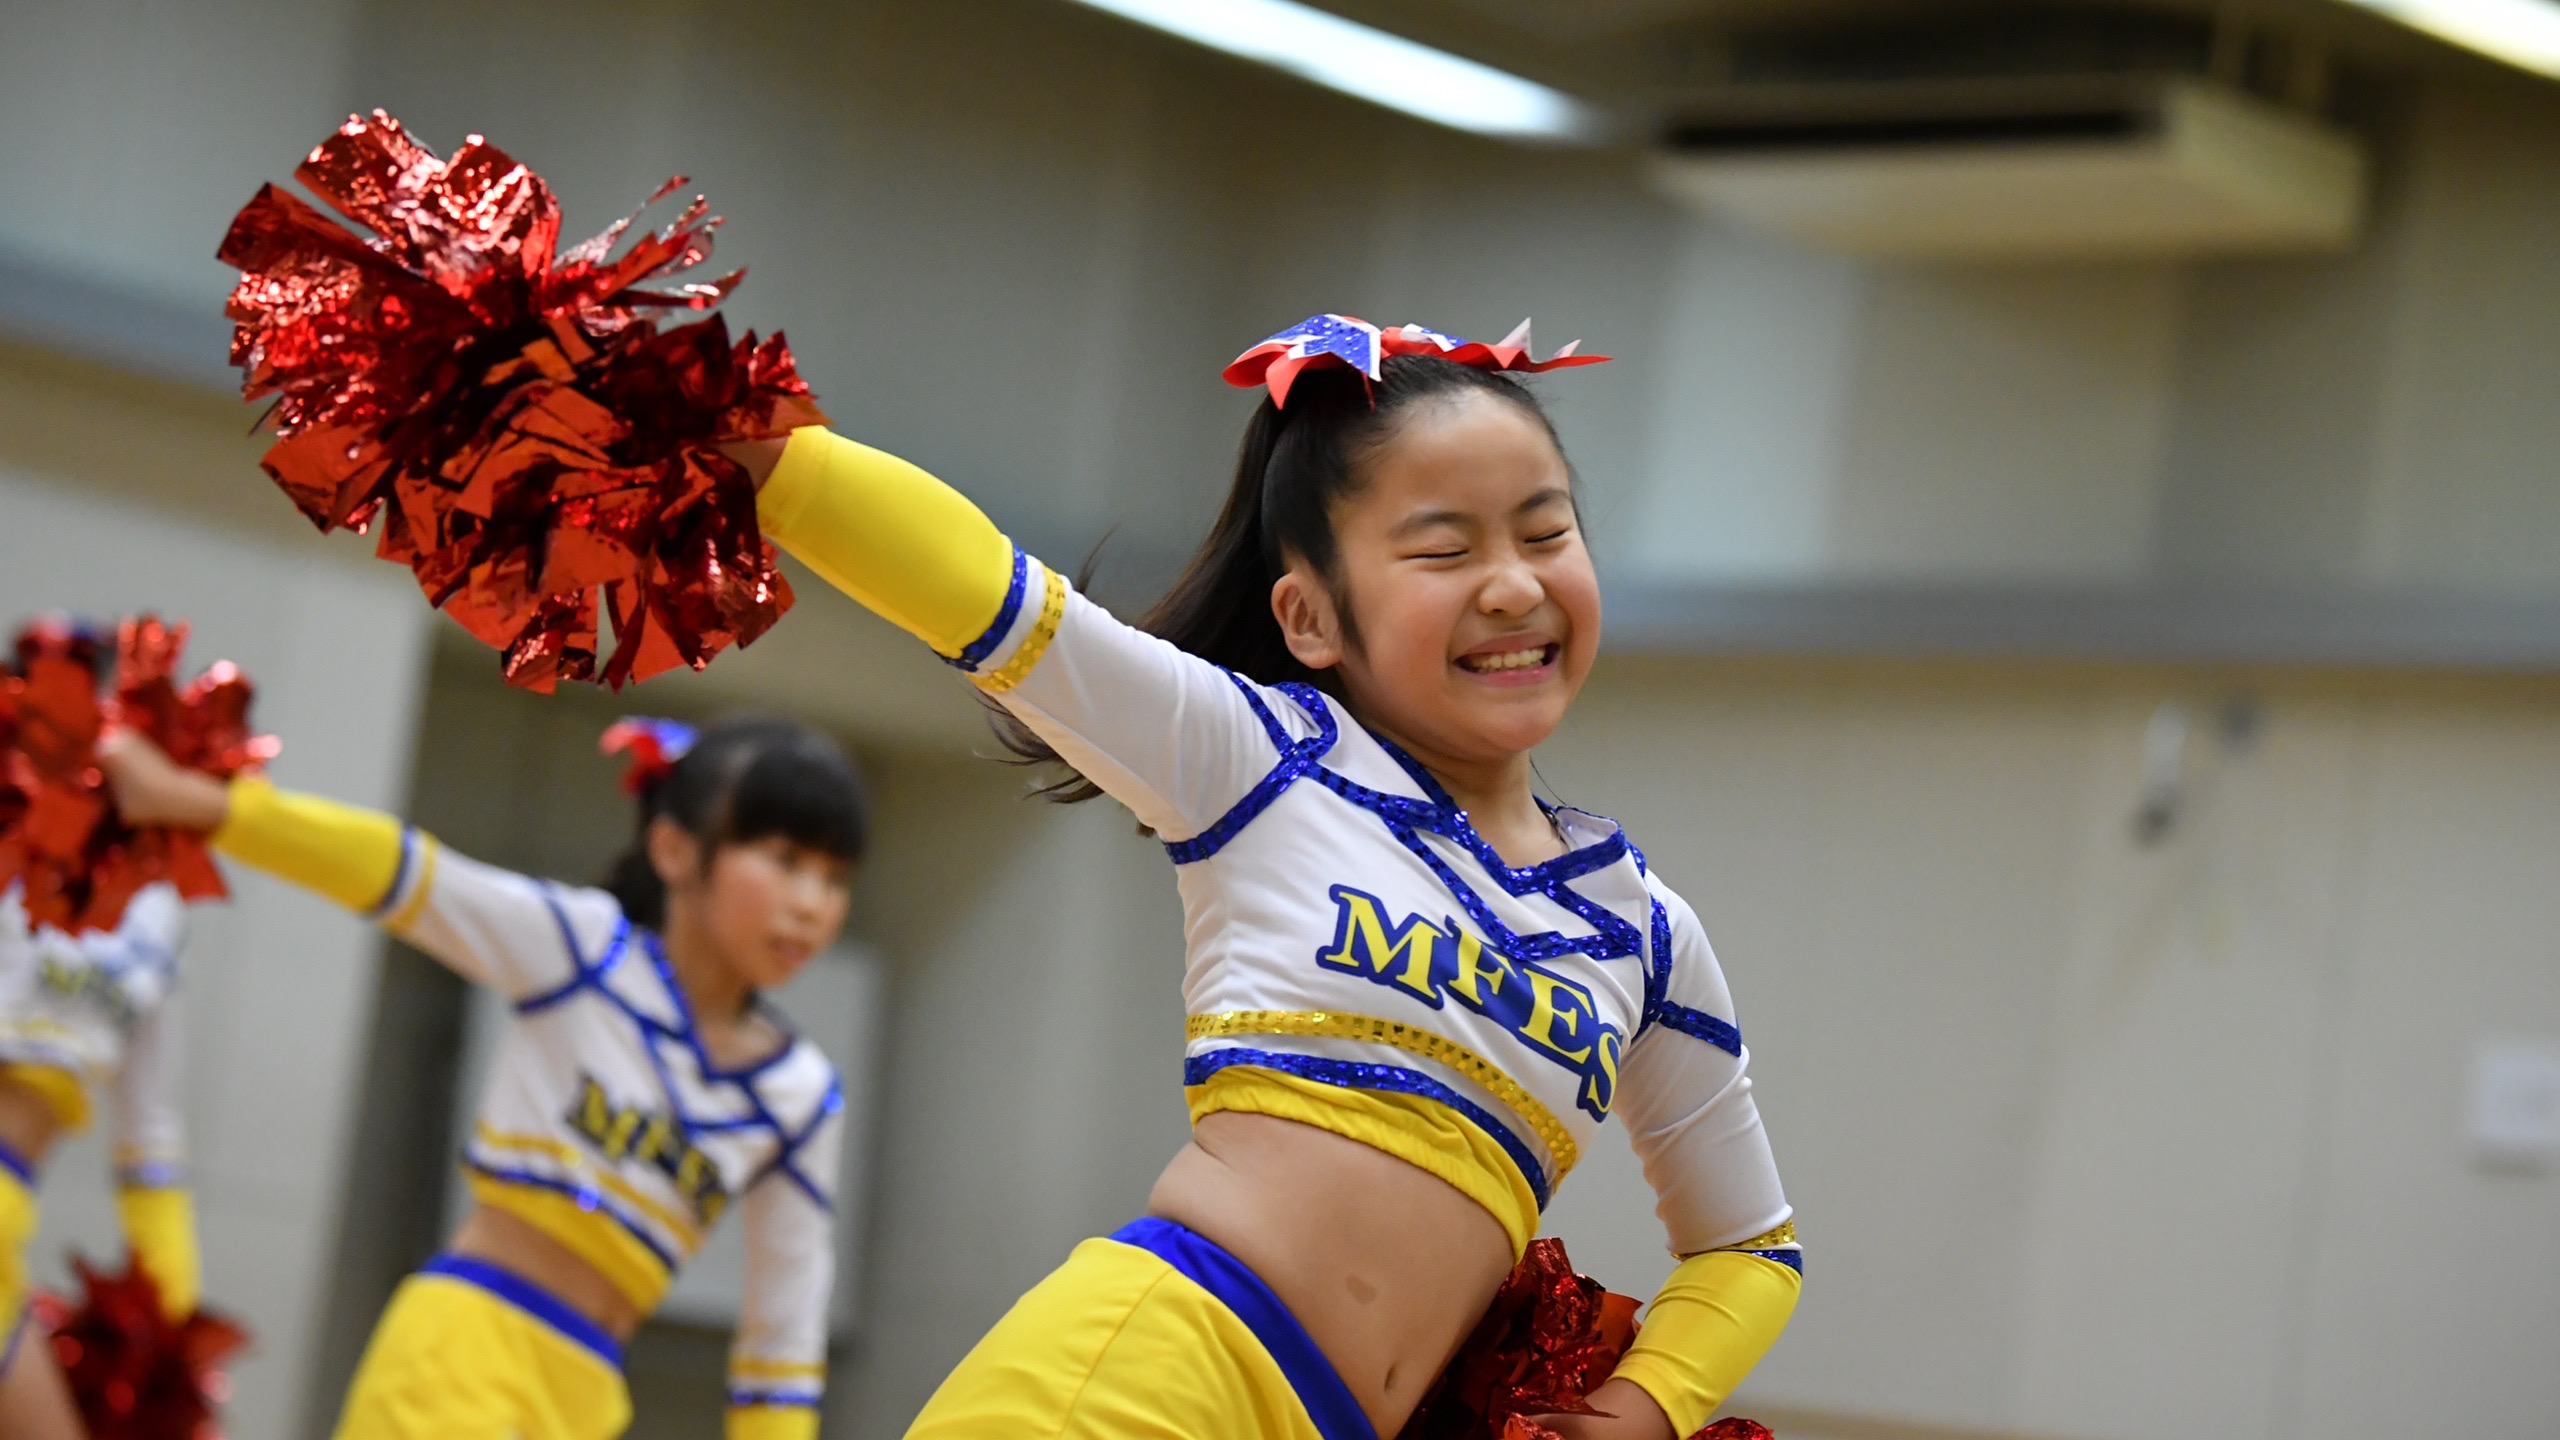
467, 1351
17, 1227
1153, 1334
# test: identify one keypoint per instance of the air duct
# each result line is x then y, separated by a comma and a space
2174, 168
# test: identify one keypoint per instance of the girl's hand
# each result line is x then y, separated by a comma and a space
152, 789
759, 456
1632, 1416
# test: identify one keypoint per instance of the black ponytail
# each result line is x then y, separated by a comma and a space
743, 780
1294, 466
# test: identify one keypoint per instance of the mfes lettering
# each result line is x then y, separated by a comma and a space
1435, 964
653, 1139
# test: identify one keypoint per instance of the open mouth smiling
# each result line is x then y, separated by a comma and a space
1503, 662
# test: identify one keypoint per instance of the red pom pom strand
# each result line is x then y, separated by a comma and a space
507, 418
134, 1373
1548, 1340
77, 862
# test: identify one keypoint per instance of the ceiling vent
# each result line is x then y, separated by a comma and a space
2175, 168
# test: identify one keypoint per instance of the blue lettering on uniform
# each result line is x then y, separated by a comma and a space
1435, 964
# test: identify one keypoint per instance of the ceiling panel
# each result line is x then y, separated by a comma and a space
2358, 35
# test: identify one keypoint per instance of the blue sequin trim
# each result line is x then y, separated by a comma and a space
1722, 1034
1297, 757
1409, 819
1792, 1259
985, 645
1394, 1079
795, 1399
586, 1197
1657, 976
685, 1034
399, 874
16, 1164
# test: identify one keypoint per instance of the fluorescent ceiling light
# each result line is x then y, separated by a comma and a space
2523, 33
1378, 67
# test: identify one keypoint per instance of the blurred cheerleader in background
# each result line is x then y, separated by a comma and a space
639, 1092
83, 1016
92, 913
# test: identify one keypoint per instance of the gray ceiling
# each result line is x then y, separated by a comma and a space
1640, 52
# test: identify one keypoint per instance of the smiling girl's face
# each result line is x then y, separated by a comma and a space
1475, 609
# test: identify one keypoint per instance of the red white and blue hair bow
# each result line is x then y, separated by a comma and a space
1322, 340
654, 746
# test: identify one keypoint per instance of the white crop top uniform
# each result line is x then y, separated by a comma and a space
1346, 927
98, 1012
603, 1123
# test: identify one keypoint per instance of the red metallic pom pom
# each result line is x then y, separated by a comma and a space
1548, 1340
134, 1373
60, 838
511, 418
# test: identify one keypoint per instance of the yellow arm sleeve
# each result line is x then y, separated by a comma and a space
160, 1225
907, 546
1710, 1323
771, 1422
345, 853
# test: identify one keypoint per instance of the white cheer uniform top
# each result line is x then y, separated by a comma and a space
1346, 927
605, 1124
99, 1012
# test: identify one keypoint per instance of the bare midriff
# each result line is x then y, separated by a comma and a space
1386, 1265
28, 1125
517, 1247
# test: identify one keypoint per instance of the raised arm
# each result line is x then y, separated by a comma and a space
1171, 736
511, 932
1685, 1097
778, 1359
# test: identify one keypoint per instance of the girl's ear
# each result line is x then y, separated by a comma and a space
1303, 604
674, 853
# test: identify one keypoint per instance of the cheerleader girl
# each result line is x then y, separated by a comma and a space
80, 1016
640, 1089
1414, 989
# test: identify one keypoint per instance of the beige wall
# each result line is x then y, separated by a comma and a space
2117, 1141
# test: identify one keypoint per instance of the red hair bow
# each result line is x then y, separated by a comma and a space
1322, 340
654, 746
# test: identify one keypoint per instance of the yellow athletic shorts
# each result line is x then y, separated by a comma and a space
467, 1351
1152, 1334
17, 1227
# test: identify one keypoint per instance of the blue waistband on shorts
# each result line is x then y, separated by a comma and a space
532, 1299
1329, 1402
17, 1164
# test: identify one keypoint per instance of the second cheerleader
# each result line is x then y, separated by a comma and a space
639, 1091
